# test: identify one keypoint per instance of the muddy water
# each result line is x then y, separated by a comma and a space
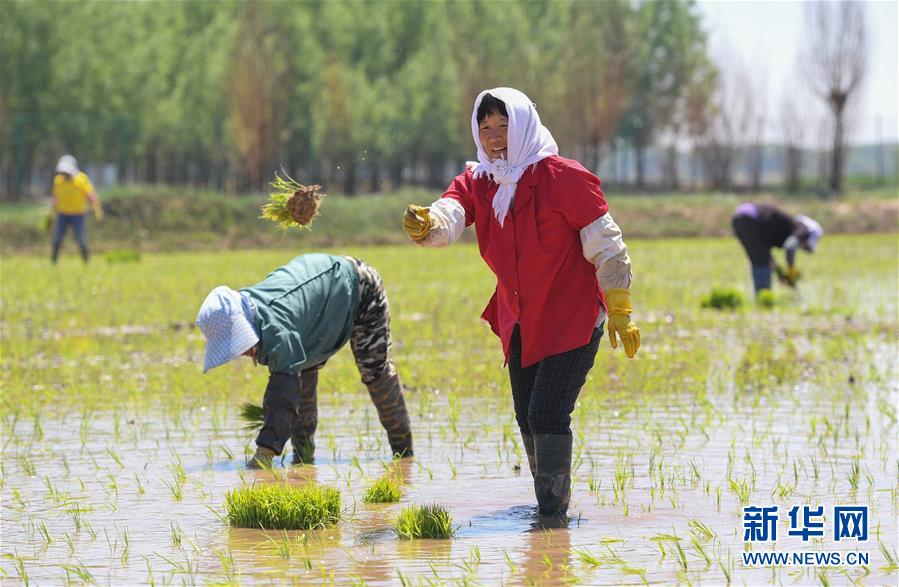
138, 498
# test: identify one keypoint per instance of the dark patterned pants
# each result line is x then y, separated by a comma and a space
545, 392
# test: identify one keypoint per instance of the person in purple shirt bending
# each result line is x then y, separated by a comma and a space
761, 227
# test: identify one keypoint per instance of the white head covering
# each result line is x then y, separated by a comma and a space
529, 142
67, 164
224, 322
815, 231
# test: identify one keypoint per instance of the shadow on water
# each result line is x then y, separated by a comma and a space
513, 520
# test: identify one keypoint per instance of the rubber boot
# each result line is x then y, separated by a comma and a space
552, 483
54, 255
387, 394
303, 436
85, 254
263, 458
528, 441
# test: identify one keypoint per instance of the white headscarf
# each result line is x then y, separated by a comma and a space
529, 142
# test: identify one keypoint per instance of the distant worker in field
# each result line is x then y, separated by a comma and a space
72, 194
293, 322
562, 270
761, 227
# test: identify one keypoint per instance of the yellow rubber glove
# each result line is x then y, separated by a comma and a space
618, 301
417, 221
793, 275
98, 211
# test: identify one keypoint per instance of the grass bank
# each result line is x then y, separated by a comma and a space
160, 218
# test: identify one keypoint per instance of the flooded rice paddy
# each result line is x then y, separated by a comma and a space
117, 452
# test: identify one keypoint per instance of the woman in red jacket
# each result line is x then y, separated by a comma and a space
561, 265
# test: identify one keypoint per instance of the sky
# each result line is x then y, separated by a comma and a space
767, 37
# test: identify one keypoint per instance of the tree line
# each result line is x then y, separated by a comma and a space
343, 92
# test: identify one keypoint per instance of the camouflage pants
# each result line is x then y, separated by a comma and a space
370, 342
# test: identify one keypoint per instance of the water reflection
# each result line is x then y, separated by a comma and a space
546, 558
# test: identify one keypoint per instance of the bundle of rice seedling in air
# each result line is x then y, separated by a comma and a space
292, 204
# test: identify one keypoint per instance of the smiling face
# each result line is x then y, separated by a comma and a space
493, 133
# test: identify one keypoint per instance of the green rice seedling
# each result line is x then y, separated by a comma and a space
126, 546
292, 204
743, 489
283, 507
427, 521
28, 466
123, 256
725, 571
586, 557
45, 534
226, 558
509, 562
855, 472
385, 490
723, 299
69, 542
701, 530
141, 490
766, 299
890, 557
176, 488
177, 534
79, 571
252, 415
282, 545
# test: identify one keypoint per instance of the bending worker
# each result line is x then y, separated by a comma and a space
293, 322
760, 227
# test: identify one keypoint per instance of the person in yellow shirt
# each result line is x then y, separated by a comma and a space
72, 194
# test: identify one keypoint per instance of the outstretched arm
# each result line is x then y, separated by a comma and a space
439, 225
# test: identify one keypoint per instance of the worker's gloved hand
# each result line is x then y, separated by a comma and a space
618, 303
788, 277
98, 211
417, 221
793, 276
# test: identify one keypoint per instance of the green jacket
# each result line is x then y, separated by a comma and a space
305, 311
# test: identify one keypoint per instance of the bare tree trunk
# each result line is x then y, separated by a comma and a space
671, 172
837, 61
794, 168
837, 156
376, 176
349, 177
640, 156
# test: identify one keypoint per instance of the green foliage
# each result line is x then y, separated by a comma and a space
424, 521
385, 490
723, 299
283, 507
175, 91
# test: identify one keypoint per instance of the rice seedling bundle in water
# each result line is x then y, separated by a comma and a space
283, 507
426, 521
723, 299
292, 204
384, 490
